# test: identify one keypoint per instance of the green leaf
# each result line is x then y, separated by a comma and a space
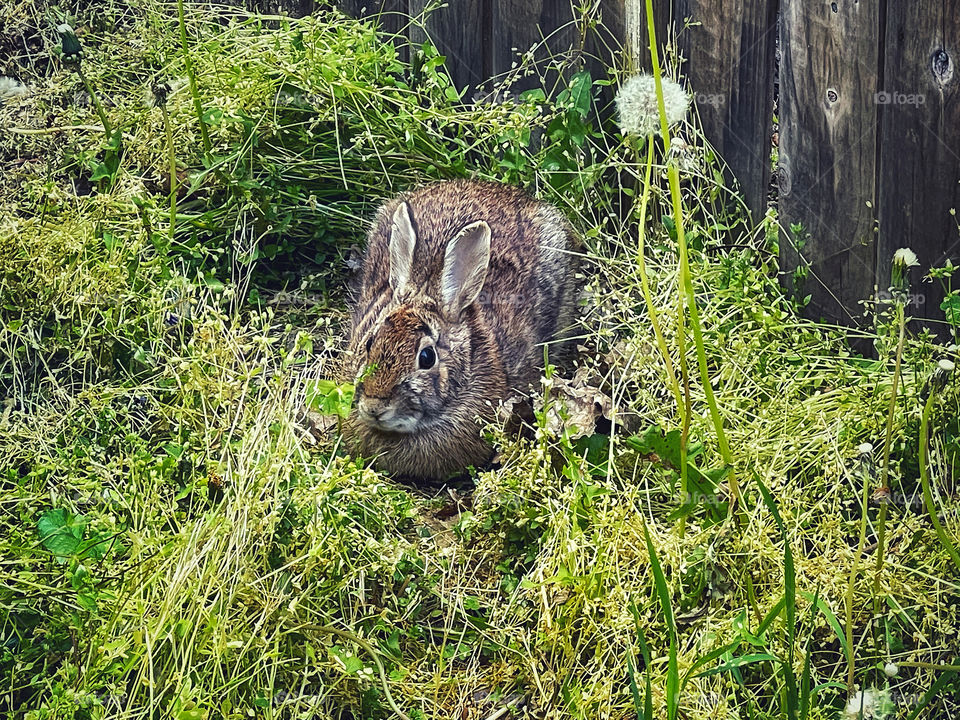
61, 532
706, 659
647, 712
535, 95
832, 621
770, 617
352, 665
951, 307
738, 662
88, 601
579, 92
213, 116
213, 284
330, 398
69, 43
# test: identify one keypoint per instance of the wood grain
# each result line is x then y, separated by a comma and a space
729, 48
519, 25
828, 140
920, 143
461, 32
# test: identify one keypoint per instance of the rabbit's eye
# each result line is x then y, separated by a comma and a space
426, 358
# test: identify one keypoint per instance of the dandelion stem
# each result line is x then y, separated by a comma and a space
107, 128
851, 583
685, 278
645, 283
885, 472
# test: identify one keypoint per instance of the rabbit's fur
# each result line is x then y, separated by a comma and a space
474, 276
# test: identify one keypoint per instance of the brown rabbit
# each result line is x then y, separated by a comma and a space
461, 282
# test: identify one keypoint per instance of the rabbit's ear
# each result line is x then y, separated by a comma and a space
402, 240
465, 268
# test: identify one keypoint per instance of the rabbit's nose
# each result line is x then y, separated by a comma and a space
373, 410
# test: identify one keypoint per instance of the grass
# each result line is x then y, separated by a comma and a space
180, 538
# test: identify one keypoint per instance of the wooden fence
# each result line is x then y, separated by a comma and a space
868, 142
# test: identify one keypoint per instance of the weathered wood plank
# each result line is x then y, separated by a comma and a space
730, 67
828, 139
461, 32
920, 143
519, 25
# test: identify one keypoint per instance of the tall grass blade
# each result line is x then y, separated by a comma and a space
789, 604
673, 674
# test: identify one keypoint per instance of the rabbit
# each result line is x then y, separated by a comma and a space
461, 284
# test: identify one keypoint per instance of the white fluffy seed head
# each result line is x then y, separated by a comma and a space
638, 109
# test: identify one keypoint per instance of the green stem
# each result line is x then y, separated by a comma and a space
645, 283
848, 599
685, 430
191, 78
107, 128
885, 472
925, 480
685, 278
930, 666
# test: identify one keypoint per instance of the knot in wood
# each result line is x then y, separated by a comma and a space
941, 64
832, 96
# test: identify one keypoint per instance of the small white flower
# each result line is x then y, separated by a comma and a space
891, 669
638, 109
865, 448
905, 257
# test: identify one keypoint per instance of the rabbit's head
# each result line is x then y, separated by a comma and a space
415, 353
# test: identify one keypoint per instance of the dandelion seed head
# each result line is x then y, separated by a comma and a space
865, 448
637, 104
